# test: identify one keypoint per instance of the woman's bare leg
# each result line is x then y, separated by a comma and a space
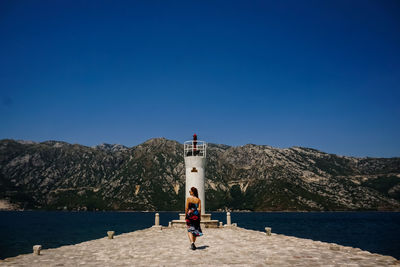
194, 238
190, 235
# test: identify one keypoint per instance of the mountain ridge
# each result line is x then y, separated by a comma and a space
150, 176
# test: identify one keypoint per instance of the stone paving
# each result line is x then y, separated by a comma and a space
218, 247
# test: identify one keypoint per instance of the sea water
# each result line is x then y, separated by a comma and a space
377, 232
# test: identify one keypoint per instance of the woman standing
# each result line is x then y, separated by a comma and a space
193, 215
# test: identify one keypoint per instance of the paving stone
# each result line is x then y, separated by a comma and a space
220, 246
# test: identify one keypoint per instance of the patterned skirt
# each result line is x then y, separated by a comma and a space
193, 222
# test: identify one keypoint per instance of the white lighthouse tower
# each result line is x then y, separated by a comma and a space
195, 153
195, 163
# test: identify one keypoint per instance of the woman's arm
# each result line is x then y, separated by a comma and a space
199, 208
187, 205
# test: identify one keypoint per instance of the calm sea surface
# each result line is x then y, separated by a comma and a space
377, 232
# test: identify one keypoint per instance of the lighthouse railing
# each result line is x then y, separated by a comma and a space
195, 148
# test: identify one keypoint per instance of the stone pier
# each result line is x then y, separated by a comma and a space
218, 247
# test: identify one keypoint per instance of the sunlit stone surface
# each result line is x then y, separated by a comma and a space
226, 246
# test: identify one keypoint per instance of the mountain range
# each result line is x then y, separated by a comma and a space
56, 175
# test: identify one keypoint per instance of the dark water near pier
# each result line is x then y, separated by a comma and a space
378, 232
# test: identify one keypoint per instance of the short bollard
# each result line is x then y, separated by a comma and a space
268, 231
157, 220
169, 224
110, 234
221, 225
36, 249
228, 219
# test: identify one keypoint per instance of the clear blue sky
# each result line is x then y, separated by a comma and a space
320, 74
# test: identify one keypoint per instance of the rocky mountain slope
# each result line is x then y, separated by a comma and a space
151, 176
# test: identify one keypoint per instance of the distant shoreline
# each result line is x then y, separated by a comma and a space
180, 211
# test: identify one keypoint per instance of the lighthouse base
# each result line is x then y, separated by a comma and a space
205, 222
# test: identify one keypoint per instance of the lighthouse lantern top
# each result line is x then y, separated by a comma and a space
195, 148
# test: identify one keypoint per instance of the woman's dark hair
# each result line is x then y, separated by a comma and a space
194, 190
